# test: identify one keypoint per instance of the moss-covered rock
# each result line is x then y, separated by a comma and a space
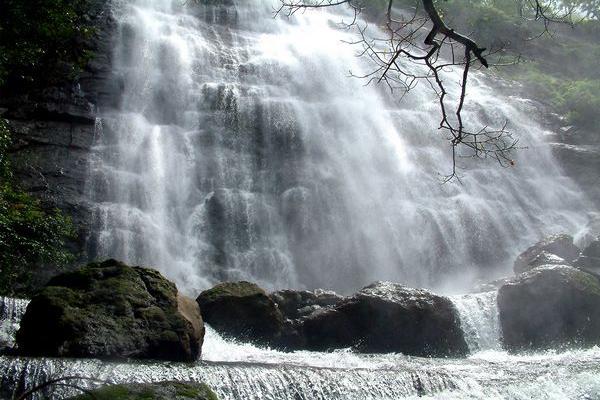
241, 310
550, 306
113, 311
151, 391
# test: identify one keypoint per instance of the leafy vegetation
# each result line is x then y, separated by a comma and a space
30, 236
41, 41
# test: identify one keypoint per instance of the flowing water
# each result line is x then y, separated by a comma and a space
242, 149
238, 371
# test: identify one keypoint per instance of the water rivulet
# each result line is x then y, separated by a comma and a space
241, 149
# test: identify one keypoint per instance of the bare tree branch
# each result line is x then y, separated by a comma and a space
403, 50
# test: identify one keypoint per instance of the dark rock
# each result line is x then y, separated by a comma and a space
110, 310
550, 306
384, 317
590, 258
53, 128
241, 310
300, 303
582, 163
151, 391
556, 245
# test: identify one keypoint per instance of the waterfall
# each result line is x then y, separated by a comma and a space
11, 312
479, 320
241, 149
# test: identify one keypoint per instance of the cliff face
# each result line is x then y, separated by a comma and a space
53, 130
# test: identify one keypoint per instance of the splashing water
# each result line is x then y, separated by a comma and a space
479, 320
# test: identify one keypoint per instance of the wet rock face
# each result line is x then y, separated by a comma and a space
151, 391
241, 310
555, 249
589, 260
110, 310
385, 317
296, 304
53, 130
550, 306
582, 163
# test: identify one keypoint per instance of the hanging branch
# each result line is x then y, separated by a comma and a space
403, 46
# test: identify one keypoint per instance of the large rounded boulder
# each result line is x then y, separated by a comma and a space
110, 310
385, 317
554, 249
550, 306
241, 310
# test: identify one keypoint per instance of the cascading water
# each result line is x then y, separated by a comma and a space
241, 149
479, 320
11, 312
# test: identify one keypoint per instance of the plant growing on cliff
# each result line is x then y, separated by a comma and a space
30, 236
41, 41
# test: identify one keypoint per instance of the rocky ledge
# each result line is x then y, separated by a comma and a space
383, 317
110, 310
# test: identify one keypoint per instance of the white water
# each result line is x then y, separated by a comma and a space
479, 320
11, 312
245, 372
242, 371
242, 150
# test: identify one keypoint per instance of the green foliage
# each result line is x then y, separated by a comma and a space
29, 235
40, 40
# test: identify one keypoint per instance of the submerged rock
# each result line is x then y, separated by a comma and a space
151, 391
550, 306
555, 249
241, 310
112, 311
385, 317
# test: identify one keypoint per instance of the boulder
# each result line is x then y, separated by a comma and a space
550, 306
295, 304
151, 391
551, 249
589, 260
241, 310
384, 317
110, 310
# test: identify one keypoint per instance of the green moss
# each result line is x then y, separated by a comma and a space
30, 235
587, 282
152, 391
235, 289
115, 392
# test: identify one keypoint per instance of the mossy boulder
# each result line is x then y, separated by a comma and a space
548, 307
151, 391
384, 317
241, 310
110, 310
554, 249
